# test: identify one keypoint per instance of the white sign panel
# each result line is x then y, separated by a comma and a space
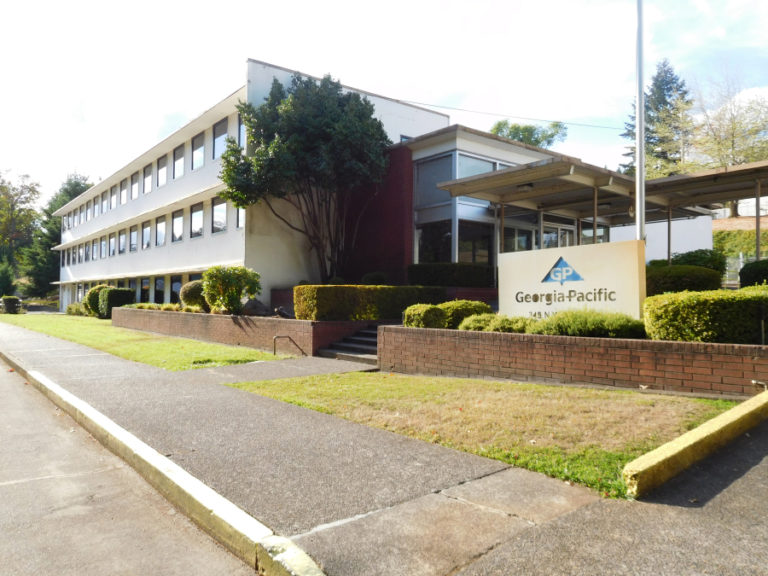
607, 277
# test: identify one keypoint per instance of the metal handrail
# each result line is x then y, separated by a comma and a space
274, 344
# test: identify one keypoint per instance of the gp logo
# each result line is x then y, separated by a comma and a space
562, 272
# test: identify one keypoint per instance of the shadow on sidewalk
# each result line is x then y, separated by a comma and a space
708, 478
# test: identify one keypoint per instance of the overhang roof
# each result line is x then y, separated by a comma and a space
565, 186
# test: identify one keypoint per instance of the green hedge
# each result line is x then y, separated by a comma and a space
514, 324
114, 297
729, 316
589, 323
348, 302
11, 304
457, 310
91, 299
424, 316
677, 278
451, 274
477, 322
754, 273
191, 294
712, 259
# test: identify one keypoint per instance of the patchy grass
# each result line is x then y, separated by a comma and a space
162, 351
583, 435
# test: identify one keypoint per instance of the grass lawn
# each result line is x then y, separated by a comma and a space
583, 435
162, 351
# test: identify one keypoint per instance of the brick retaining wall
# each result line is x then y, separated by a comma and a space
672, 366
306, 337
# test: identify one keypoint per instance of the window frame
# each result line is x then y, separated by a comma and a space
162, 171
196, 212
177, 215
215, 203
133, 238
219, 143
198, 151
146, 173
178, 162
158, 228
146, 235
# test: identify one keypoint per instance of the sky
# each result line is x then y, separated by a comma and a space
87, 86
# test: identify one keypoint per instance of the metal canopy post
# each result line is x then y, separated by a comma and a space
757, 219
594, 215
669, 235
640, 133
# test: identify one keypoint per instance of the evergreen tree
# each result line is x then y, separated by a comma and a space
669, 126
18, 217
41, 262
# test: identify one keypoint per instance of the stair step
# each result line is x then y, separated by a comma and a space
371, 359
354, 347
369, 332
367, 340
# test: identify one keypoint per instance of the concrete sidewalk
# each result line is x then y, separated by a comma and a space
364, 501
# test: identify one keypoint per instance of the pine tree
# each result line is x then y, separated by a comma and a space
668, 126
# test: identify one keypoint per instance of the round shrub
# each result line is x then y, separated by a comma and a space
515, 324
590, 323
678, 278
712, 259
374, 279
91, 299
224, 287
11, 304
477, 322
424, 316
76, 309
457, 310
754, 273
191, 294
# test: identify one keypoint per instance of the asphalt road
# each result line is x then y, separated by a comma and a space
70, 507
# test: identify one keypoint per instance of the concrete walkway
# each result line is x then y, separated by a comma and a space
365, 501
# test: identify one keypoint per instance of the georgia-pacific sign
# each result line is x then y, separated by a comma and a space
607, 277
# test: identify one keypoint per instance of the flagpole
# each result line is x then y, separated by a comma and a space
640, 133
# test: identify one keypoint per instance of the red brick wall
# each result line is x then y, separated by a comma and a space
673, 366
306, 337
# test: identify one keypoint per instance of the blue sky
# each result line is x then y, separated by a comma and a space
90, 85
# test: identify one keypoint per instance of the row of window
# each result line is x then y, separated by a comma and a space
155, 174
142, 286
136, 236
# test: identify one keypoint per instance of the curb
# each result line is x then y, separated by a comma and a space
657, 466
243, 535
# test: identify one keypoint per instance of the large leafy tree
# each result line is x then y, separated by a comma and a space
669, 126
41, 264
314, 152
541, 136
18, 217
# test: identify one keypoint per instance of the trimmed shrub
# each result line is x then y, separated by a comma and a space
451, 274
659, 280
91, 299
111, 297
712, 259
754, 273
76, 309
224, 287
457, 310
424, 316
515, 324
477, 322
728, 316
191, 294
7, 285
374, 279
11, 304
346, 302
590, 323
657, 263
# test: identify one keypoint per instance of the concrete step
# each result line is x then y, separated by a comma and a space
345, 346
371, 359
362, 339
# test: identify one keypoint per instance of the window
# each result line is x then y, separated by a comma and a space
80, 254
147, 179
88, 211
121, 242
196, 221
198, 151
82, 214
219, 215
160, 231
240, 217
475, 242
134, 185
428, 174
146, 235
95, 249
63, 258
219, 138
241, 139
162, 171
113, 198
434, 242
159, 289
144, 296
177, 226
87, 252
96, 204
112, 244
178, 162
133, 236
471, 166
124, 191
103, 246
104, 202
175, 289
69, 256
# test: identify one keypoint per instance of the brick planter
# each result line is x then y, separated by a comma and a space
697, 368
299, 337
